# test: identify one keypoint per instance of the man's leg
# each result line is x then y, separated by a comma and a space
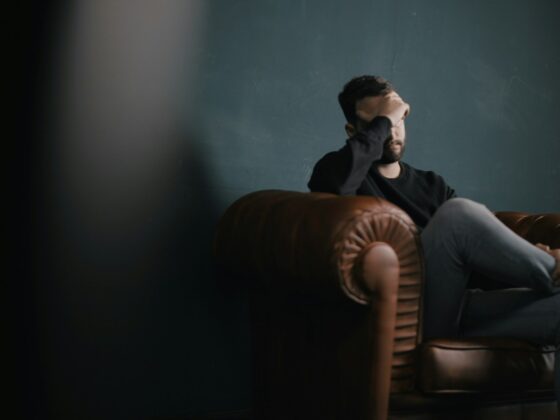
464, 236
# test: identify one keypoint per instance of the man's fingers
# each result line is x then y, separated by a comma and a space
542, 247
392, 95
407, 111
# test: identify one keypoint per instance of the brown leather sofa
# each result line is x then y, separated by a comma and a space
336, 300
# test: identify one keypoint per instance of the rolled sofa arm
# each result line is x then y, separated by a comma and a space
311, 242
543, 228
331, 247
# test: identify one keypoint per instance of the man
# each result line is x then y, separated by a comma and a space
459, 237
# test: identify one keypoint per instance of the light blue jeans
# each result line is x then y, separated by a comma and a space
464, 237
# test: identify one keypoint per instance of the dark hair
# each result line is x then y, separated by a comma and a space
358, 88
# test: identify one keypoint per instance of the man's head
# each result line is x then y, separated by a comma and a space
361, 101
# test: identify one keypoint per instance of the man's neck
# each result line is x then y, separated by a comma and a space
389, 170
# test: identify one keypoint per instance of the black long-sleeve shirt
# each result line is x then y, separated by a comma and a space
351, 170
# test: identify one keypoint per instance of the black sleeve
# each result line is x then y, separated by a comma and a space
342, 172
445, 192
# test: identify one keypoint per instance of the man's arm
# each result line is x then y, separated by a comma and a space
342, 172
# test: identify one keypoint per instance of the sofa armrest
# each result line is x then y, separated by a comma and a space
310, 242
364, 250
543, 228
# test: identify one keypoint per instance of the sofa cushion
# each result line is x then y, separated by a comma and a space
485, 365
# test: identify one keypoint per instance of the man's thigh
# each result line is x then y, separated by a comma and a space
520, 313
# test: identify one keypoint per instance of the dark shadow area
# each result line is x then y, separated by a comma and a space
131, 323
114, 311
35, 30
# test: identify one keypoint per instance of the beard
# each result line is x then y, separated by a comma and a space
391, 155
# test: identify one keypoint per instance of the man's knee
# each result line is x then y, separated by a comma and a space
459, 215
460, 204
460, 208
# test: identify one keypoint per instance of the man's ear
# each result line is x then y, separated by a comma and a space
350, 129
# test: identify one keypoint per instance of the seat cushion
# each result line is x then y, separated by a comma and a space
485, 365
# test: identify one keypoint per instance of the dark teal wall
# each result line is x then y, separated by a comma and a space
158, 115
481, 77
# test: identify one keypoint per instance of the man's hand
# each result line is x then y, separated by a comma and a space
393, 107
556, 254
390, 105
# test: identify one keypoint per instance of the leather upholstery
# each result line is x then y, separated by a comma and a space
336, 299
492, 365
543, 228
303, 239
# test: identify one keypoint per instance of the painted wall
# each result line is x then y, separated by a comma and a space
157, 115
481, 78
